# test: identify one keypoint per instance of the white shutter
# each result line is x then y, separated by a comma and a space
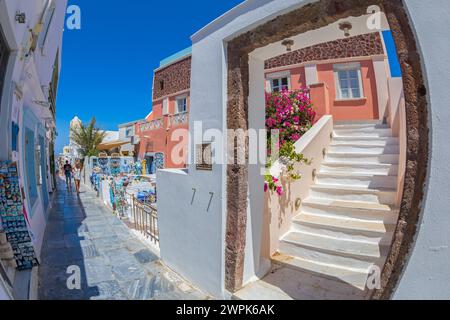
165, 106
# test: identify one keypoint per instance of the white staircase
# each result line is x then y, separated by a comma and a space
346, 225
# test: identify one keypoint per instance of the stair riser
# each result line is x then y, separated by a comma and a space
386, 141
390, 149
366, 182
362, 128
358, 159
336, 246
381, 197
389, 170
382, 217
350, 226
364, 133
371, 126
357, 278
374, 238
324, 257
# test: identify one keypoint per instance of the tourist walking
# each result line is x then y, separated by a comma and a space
77, 176
68, 173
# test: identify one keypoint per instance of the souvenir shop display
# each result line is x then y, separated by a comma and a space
159, 161
114, 166
147, 196
120, 202
137, 168
95, 179
126, 165
12, 217
112, 197
103, 163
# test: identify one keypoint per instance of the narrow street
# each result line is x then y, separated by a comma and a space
114, 264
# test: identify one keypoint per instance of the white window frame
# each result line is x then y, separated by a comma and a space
179, 98
128, 132
278, 76
348, 67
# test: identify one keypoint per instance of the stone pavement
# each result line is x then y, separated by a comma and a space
114, 264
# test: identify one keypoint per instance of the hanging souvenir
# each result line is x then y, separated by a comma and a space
13, 219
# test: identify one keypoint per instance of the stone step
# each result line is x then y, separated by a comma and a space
327, 229
323, 257
349, 225
374, 195
376, 141
361, 168
352, 276
359, 180
350, 209
285, 282
367, 250
358, 132
357, 122
356, 126
358, 158
378, 213
364, 149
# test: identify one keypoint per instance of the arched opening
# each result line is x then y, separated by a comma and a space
244, 71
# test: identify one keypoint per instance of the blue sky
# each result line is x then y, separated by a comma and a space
107, 66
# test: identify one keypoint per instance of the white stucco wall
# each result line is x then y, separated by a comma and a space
27, 80
427, 274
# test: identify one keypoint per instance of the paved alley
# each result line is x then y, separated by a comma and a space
114, 264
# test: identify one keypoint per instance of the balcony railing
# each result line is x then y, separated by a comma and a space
180, 118
151, 125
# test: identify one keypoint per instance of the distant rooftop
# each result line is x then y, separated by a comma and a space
175, 57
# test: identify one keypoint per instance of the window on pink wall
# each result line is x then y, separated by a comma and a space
181, 104
279, 84
348, 81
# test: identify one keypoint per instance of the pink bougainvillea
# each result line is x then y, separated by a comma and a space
292, 114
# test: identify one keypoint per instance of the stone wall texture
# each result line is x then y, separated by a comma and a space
357, 46
176, 78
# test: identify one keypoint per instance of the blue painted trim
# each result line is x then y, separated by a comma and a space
41, 139
29, 123
391, 48
43, 161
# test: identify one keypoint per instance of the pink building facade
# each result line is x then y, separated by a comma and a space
345, 76
347, 79
164, 133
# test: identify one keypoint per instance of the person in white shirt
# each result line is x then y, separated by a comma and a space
77, 176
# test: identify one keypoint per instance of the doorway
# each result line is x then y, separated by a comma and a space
150, 160
313, 16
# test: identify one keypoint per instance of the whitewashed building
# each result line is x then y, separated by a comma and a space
127, 135
30, 62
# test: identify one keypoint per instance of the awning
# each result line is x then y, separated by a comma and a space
111, 145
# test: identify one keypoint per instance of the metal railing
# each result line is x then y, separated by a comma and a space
179, 118
151, 125
145, 218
